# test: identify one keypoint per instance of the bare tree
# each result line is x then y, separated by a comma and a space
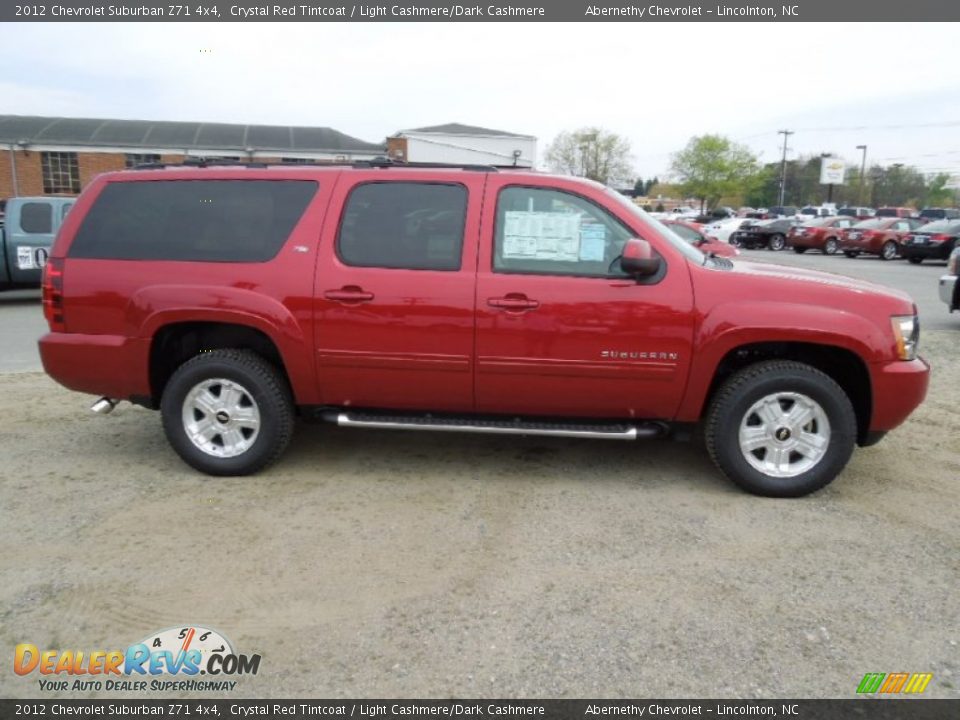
593, 153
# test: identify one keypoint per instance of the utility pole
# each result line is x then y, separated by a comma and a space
863, 169
783, 165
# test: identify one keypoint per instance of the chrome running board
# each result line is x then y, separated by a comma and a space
512, 426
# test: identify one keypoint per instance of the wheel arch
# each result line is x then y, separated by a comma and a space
174, 343
843, 365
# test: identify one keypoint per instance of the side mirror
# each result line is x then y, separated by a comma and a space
638, 258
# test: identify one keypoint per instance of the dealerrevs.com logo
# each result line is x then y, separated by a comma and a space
183, 653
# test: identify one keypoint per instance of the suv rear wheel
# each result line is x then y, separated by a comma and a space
781, 429
227, 412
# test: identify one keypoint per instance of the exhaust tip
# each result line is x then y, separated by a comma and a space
104, 406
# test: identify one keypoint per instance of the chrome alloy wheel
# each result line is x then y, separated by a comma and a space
221, 418
784, 434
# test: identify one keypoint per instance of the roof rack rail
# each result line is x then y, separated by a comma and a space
377, 162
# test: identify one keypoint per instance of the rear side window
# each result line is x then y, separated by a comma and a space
36, 218
193, 220
404, 225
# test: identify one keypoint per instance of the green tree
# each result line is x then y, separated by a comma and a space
591, 152
639, 187
938, 194
712, 166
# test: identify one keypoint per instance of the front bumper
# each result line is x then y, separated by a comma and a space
948, 291
898, 389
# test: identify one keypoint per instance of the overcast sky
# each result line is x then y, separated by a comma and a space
893, 87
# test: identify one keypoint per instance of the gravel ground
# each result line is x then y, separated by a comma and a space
379, 564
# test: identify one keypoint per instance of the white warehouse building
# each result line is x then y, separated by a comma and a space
463, 144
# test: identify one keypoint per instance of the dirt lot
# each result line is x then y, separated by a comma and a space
403, 564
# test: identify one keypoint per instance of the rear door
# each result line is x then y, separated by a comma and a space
394, 292
560, 330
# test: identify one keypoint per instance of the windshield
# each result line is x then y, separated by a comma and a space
817, 222
679, 243
870, 224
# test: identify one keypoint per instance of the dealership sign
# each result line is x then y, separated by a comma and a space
832, 171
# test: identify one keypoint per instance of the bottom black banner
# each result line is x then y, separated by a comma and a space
882, 709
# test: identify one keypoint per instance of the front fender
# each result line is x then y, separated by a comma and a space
732, 325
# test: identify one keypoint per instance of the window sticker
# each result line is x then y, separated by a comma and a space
542, 235
31, 258
593, 242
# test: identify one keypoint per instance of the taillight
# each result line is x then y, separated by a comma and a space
939, 238
53, 294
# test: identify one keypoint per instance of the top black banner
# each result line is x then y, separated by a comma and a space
792, 11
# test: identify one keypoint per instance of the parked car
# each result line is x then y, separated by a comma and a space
820, 211
896, 212
880, 236
374, 295
930, 214
723, 229
860, 213
949, 287
770, 234
781, 211
695, 236
26, 234
933, 241
682, 213
821, 234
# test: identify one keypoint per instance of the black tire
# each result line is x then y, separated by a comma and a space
737, 396
831, 246
799, 250
851, 253
266, 390
777, 242
735, 241
914, 260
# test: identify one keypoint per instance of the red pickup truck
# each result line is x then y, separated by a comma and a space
234, 299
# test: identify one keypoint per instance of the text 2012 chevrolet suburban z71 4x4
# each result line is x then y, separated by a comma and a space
234, 298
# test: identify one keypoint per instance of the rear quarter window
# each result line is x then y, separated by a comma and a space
36, 218
192, 220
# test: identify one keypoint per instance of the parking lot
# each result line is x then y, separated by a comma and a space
379, 564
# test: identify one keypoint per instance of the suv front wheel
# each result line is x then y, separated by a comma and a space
781, 429
227, 412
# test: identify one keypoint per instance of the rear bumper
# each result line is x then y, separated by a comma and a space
948, 285
931, 252
110, 365
898, 389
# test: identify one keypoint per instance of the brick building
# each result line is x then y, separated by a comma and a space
59, 156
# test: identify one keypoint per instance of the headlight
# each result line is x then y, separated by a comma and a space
906, 331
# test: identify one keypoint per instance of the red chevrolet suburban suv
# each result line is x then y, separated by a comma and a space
234, 299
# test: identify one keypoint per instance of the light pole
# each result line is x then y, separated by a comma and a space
863, 169
783, 164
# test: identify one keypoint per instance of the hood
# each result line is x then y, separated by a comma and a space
843, 282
